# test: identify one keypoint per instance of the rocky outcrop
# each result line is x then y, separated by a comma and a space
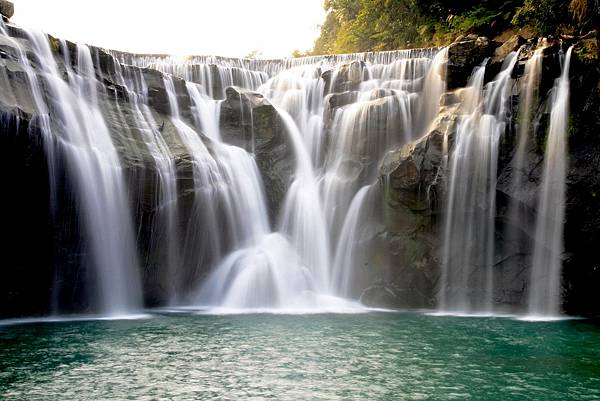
581, 271
413, 182
401, 266
346, 77
464, 55
248, 120
513, 44
59, 260
413, 178
26, 274
7, 9
334, 101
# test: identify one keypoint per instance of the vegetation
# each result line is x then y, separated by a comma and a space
367, 25
254, 54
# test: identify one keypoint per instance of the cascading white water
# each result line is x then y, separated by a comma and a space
78, 132
519, 227
206, 112
340, 116
468, 242
226, 184
302, 219
259, 275
346, 252
546, 269
202, 207
164, 231
530, 96
300, 92
262, 269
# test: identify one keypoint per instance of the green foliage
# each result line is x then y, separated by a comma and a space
544, 16
474, 20
254, 54
368, 25
363, 25
297, 53
54, 43
551, 17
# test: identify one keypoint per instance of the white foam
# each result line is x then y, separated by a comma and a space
542, 318
73, 318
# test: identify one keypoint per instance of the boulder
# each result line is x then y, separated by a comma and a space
346, 77
511, 45
334, 101
7, 9
158, 97
412, 179
463, 56
248, 120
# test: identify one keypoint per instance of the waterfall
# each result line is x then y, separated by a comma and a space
206, 112
257, 276
90, 152
303, 220
173, 165
50, 147
73, 125
226, 183
468, 241
530, 96
545, 283
300, 92
344, 266
519, 226
165, 232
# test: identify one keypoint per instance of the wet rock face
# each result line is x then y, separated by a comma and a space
334, 101
59, 260
463, 56
413, 179
157, 94
581, 265
404, 237
346, 77
248, 120
513, 44
39, 261
7, 9
26, 276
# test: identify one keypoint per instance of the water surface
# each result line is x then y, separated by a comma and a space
263, 356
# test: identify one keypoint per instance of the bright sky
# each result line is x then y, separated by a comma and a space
180, 27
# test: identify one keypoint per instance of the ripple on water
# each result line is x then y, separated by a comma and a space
373, 355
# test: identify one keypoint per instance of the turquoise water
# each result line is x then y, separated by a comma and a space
374, 356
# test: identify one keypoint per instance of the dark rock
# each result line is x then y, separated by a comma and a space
463, 57
248, 120
51, 276
495, 64
413, 180
334, 101
7, 9
346, 77
158, 97
511, 45
389, 296
581, 267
